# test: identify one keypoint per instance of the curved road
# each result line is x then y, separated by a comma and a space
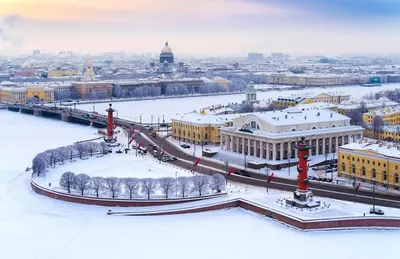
285, 184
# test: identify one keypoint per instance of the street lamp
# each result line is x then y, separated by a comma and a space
226, 170
373, 190
267, 170
245, 162
289, 156
176, 184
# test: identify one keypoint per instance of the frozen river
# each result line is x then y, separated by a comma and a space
34, 226
166, 108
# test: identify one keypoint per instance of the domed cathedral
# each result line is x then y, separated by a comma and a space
166, 54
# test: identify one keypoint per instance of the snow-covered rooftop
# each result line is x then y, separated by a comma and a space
294, 116
386, 150
317, 105
197, 118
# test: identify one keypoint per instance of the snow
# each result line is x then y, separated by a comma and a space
116, 165
386, 150
33, 226
170, 107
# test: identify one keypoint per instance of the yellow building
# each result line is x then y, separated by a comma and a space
222, 81
199, 128
13, 94
332, 98
391, 133
389, 115
288, 101
22, 94
370, 162
61, 72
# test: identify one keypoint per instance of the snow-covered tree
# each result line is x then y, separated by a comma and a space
96, 184
92, 147
63, 153
104, 147
149, 186
112, 185
67, 181
39, 165
131, 185
167, 185
183, 185
377, 125
200, 183
82, 182
218, 182
81, 149
117, 91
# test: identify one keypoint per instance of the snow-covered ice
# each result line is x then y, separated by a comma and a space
34, 226
157, 109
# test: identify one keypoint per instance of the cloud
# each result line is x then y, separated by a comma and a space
12, 20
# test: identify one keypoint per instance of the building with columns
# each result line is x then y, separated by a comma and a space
272, 135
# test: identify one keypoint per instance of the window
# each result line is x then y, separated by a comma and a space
254, 125
396, 178
395, 167
342, 156
379, 164
384, 175
373, 162
353, 169
343, 167
363, 171
367, 161
352, 158
373, 173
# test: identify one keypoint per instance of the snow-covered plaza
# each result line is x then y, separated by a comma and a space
33, 226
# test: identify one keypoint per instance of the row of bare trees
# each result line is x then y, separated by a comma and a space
58, 155
182, 186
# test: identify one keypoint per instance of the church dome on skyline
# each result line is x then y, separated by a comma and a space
166, 54
166, 49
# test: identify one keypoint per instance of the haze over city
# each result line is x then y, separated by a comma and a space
206, 27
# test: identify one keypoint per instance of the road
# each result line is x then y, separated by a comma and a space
186, 161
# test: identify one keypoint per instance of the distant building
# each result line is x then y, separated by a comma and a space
251, 94
332, 98
255, 56
84, 90
61, 73
36, 52
24, 93
277, 55
166, 54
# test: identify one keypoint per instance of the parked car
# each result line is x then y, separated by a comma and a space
185, 146
376, 211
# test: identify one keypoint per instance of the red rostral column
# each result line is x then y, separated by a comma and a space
302, 148
110, 125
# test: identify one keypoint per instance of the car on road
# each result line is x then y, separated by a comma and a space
185, 146
376, 211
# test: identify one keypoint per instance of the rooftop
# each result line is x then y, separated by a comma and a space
294, 116
385, 150
318, 105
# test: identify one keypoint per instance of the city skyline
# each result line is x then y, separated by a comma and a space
207, 27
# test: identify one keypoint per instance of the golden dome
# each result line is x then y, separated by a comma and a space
166, 48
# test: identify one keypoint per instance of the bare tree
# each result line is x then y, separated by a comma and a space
149, 186
355, 117
131, 185
39, 165
92, 147
62, 154
167, 184
183, 185
52, 155
67, 181
200, 183
377, 125
96, 184
112, 184
72, 151
218, 182
104, 148
81, 149
82, 182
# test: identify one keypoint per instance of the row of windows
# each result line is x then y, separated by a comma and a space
373, 171
368, 161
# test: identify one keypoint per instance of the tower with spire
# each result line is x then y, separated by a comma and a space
89, 73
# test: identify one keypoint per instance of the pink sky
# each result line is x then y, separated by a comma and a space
191, 26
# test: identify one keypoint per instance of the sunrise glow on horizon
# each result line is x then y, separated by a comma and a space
200, 26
